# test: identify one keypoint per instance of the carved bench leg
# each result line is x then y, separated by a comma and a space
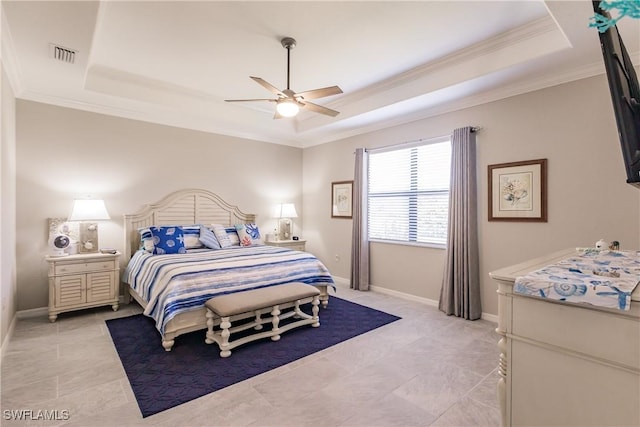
258, 324
275, 321
225, 324
209, 336
315, 310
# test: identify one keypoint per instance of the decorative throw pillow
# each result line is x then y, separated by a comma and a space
249, 234
221, 235
146, 239
192, 237
168, 240
208, 239
233, 236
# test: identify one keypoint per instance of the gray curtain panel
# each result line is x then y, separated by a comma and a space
460, 293
360, 238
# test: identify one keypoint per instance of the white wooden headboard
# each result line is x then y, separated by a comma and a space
183, 207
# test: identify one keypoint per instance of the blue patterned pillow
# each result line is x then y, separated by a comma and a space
168, 240
248, 234
208, 238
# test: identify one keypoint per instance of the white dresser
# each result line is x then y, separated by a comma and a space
565, 364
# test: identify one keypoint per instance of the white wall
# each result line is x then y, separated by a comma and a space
571, 125
7, 205
63, 154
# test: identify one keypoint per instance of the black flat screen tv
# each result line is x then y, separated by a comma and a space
625, 96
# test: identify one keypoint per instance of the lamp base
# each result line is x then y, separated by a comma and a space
284, 227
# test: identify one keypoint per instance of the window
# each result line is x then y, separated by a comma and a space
408, 192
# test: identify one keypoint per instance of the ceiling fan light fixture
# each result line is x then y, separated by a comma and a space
287, 108
288, 102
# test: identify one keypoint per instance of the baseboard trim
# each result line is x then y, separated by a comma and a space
490, 317
33, 312
346, 283
403, 295
340, 282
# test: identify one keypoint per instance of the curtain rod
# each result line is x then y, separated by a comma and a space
416, 141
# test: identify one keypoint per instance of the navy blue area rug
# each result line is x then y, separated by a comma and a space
161, 380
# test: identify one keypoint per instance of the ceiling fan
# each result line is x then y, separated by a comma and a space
288, 102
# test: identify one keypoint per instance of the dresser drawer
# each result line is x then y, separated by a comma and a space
84, 267
296, 247
603, 334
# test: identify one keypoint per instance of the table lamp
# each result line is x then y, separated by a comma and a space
88, 211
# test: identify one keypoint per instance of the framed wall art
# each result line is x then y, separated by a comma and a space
63, 227
342, 199
518, 191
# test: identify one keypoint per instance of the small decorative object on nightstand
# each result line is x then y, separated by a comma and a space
296, 245
83, 281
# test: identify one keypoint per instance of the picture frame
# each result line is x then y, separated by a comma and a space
61, 226
518, 191
342, 199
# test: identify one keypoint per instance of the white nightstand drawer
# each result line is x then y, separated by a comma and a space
296, 245
84, 267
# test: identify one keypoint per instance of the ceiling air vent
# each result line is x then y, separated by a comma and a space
62, 53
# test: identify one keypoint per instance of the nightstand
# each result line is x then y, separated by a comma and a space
83, 281
296, 245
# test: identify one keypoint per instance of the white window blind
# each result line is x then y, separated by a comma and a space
408, 193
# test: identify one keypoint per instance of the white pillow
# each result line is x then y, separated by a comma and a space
221, 235
192, 237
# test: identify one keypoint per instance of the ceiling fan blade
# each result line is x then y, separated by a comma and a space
319, 93
319, 109
271, 88
250, 100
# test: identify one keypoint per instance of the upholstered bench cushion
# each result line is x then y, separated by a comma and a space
256, 299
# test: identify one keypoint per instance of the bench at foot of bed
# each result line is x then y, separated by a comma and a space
255, 301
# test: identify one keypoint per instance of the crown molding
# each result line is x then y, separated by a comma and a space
486, 97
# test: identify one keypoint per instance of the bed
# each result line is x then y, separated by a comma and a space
172, 289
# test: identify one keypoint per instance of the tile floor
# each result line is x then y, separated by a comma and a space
424, 370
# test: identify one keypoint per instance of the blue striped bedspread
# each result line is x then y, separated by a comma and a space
173, 284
